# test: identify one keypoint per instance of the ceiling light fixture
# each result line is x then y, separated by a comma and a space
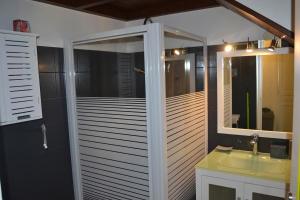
250, 46
177, 52
284, 36
228, 47
273, 45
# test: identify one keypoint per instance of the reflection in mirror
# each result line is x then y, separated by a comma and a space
258, 92
180, 75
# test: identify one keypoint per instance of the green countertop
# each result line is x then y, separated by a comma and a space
246, 164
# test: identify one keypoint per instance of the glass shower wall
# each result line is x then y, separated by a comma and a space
185, 111
111, 118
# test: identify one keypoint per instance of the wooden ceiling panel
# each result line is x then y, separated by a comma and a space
169, 7
133, 9
69, 3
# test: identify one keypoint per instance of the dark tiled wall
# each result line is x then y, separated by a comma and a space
28, 171
214, 139
96, 73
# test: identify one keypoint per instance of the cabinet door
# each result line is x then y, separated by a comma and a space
256, 192
217, 188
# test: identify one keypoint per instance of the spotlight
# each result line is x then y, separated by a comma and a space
273, 45
177, 52
228, 47
271, 49
250, 46
284, 36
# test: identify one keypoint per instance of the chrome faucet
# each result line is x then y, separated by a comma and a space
254, 144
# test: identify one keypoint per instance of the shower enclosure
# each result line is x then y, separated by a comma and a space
137, 112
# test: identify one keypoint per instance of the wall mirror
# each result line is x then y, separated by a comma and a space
255, 92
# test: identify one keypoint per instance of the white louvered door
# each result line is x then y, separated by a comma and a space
19, 89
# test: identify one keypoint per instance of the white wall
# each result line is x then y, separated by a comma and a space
54, 24
280, 11
215, 23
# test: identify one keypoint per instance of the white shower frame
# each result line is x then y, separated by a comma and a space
156, 107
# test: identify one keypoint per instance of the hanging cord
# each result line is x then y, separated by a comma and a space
148, 19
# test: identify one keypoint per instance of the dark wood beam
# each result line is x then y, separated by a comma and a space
259, 19
98, 3
109, 10
81, 10
169, 7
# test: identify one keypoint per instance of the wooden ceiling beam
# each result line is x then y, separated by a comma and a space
259, 19
109, 10
98, 3
169, 7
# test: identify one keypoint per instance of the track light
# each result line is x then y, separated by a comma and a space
273, 45
177, 52
228, 47
250, 46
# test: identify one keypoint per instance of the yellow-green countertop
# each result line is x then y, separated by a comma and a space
246, 164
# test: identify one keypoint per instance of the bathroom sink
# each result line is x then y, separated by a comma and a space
245, 163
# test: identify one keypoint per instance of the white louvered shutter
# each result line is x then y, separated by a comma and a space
19, 85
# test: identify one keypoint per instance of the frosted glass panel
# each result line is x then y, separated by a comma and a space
112, 119
257, 196
185, 113
217, 192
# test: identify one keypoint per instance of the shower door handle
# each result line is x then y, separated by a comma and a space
44, 132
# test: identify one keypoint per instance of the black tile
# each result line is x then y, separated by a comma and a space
61, 88
20, 139
47, 176
48, 85
55, 119
83, 60
48, 59
60, 60
83, 85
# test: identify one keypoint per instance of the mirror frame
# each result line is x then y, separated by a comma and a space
220, 94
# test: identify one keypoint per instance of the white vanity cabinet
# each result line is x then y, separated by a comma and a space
240, 175
216, 188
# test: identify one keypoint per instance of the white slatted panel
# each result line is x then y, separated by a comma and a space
185, 142
227, 106
126, 74
19, 79
113, 148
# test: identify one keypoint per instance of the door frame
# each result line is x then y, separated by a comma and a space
295, 170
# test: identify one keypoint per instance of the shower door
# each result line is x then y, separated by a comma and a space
112, 118
120, 120
115, 91
186, 118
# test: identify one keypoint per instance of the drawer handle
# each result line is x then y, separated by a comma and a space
44, 132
